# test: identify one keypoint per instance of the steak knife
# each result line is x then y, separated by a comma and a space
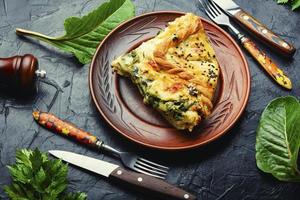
115, 173
257, 28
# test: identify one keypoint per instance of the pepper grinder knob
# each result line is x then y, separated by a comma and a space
40, 73
20, 72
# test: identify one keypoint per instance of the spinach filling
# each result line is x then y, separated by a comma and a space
141, 83
173, 108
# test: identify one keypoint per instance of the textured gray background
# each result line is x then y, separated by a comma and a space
225, 169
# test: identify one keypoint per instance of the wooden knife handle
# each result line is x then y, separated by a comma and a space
59, 126
270, 67
150, 185
265, 34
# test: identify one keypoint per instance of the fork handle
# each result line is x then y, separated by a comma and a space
57, 125
268, 65
265, 34
150, 185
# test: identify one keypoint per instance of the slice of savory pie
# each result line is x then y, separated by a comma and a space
176, 72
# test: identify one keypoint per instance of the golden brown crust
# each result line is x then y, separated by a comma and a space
177, 66
161, 49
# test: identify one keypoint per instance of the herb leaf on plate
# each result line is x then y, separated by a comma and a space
84, 34
278, 139
35, 177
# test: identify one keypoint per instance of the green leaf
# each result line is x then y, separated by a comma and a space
35, 177
282, 1
74, 196
83, 35
38, 181
22, 157
278, 139
15, 192
295, 4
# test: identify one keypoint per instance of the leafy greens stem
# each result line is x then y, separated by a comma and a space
82, 35
20, 31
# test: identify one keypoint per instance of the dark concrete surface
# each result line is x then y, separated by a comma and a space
225, 169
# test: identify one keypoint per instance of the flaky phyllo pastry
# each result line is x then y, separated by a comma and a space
176, 72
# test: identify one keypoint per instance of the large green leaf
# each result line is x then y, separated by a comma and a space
295, 4
278, 139
84, 34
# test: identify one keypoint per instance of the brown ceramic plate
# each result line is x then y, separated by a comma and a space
121, 105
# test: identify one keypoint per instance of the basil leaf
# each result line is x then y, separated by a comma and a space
278, 139
84, 34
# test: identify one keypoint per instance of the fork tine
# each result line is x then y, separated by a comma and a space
139, 165
155, 164
210, 8
151, 167
202, 5
206, 9
144, 172
217, 9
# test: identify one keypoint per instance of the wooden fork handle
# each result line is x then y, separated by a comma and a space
268, 65
53, 123
149, 185
265, 34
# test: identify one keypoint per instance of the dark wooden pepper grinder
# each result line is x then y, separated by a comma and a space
20, 73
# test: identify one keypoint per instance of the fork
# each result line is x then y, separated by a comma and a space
136, 163
219, 17
129, 160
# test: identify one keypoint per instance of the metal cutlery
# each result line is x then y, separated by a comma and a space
254, 26
143, 183
217, 15
129, 160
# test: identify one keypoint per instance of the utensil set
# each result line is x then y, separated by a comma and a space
254, 26
149, 182
129, 160
115, 173
221, 17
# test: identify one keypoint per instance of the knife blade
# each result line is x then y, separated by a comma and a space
117, 174
219, 17
257, 28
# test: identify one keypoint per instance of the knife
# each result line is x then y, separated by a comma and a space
220, 18
117, 174
257, 28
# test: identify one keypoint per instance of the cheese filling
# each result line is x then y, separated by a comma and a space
176, 72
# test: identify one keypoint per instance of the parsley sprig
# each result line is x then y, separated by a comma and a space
35, 177
294, 3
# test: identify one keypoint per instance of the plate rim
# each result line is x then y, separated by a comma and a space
188, 147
